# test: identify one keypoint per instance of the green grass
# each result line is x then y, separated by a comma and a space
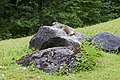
108, 66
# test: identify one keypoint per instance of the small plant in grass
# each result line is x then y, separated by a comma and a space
86, 60
64, 71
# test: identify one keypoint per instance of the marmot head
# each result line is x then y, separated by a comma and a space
54, 23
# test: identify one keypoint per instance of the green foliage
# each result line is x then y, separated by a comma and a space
86, 62
78, 13
20, 18
64, 71
89, 57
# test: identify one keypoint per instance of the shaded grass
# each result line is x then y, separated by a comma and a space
108, 66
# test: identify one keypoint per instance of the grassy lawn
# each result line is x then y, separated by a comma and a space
108, 66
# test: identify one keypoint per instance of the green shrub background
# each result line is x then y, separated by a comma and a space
20, 18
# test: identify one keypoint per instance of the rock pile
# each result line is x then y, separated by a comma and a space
57, 49
51, 59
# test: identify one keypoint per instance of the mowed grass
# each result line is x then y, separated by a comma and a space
108, 66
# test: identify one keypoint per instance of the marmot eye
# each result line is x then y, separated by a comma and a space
61, 27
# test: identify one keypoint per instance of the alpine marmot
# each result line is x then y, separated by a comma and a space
70, 31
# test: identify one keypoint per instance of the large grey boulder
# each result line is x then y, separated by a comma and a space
48, 37
51, 59
107, 41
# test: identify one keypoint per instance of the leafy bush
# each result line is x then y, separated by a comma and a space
86, 62
23, 17
89, 57
18, 18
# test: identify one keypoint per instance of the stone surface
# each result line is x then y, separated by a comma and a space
48, 37
79, 36
51, 59
107, 41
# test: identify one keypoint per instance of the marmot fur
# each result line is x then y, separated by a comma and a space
70, 31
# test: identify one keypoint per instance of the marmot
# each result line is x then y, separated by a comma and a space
70, 31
